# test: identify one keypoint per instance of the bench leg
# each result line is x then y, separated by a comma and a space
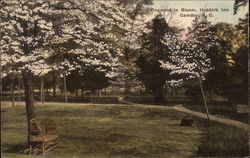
30, 149
43, 148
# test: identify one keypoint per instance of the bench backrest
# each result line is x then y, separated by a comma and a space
35, 127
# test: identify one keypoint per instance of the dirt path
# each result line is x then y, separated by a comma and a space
230, 122
179, 108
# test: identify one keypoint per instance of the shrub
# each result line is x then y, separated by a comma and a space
194, 93
224, 141
140, 99
104, 100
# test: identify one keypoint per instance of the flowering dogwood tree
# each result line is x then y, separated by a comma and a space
24, 32
189, 59
93, 43
131, 43
33, 31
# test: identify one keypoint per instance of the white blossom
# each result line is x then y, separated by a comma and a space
29, 28
189, 57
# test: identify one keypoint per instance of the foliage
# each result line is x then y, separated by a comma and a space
217, 79
7, 82
188, 61
193, 92
135, 7
240, 68
39, 36
88, 79
37, 31
238, 4
224, 141
188, 58
239, 80
150, 73
25, 28
94, 80
229, 61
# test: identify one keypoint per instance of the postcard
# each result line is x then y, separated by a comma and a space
124, 79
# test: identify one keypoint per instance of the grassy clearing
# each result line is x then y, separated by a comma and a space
121, 131
105, 131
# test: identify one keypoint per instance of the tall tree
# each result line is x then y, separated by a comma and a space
228, 57
240, 67
25, 29
217, 79
151, 74
131, 44
30, 29
189, 60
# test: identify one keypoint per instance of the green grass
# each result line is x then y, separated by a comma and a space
122, 131
105, 131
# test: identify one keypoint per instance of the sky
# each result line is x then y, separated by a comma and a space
220, 16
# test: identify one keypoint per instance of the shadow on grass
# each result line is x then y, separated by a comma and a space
18, 148
2, 110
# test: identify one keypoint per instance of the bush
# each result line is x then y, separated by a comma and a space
86, 99
140, 99
224, 141
194, 93
178, 100
105, 100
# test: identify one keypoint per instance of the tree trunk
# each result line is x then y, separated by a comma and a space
54, 84
42, 90
204, 99
65, 88
29, 98
127, 87
99, 93
19, 89
105, 91
76, 92
47, 93
127, 90
82, 92
165, 90
141, 92
1, 87
12, 90
172, 92
158, 94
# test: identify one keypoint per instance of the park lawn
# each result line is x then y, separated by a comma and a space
92, 130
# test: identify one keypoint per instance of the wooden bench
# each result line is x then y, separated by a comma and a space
39, 139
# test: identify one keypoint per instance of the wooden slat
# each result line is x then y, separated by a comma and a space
50, 148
